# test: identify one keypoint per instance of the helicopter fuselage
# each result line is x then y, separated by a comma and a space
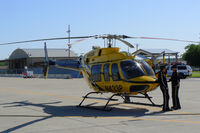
109, 70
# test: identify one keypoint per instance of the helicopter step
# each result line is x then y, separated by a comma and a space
146, 104
140, 96
101, 98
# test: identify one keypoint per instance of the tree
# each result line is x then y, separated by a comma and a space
3, 63
192, 55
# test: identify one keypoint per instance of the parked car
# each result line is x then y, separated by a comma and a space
28, 74
182, 69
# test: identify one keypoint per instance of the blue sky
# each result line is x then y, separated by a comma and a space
35, 19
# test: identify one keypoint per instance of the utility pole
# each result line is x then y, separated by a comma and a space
69, 45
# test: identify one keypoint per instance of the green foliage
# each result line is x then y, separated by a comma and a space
192, 55
195, 74
3, 63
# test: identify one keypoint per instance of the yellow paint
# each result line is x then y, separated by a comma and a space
46, 76
164, 59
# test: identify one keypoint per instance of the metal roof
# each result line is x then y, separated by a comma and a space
155, 52
33, 53
158, 51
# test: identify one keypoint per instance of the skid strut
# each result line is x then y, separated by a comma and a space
105, 106
86, 96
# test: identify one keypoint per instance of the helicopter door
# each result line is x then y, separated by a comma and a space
106, 72
96, 78
115, 72
96, 73
106, 75
114, 85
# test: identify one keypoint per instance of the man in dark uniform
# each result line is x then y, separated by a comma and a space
175, 81
164, 87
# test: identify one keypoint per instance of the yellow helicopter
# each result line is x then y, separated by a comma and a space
109, 70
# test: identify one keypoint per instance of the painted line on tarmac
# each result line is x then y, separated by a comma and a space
78, 99
38, 93
139, 119
100, 101
114, 117
93, 100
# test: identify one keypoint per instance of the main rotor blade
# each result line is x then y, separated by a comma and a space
46, 39
81, 40
167, 39
125, 42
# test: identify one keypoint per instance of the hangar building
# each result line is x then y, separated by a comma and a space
20, 58
34, 60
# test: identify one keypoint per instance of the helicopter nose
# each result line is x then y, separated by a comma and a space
145, 79
143, 83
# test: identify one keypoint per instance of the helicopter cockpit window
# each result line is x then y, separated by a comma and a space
115, 72
131, 69
147, 68
106, 72
96, 73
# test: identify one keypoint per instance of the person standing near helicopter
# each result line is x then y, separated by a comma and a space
164, 87
175, 81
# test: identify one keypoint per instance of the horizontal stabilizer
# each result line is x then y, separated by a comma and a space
69, 64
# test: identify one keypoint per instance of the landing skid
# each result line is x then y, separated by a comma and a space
105, 108
124, 96
145, 95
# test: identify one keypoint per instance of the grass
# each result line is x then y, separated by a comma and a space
3, 63
195, 74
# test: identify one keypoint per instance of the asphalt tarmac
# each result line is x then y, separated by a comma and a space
50, 106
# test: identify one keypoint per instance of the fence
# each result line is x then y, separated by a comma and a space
38, 73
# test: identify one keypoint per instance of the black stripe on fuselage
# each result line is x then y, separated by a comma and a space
147, 82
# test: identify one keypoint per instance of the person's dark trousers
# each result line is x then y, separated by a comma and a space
175, 98
127, 99
165, 93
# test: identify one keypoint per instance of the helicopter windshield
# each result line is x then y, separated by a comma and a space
147, 68
131, 69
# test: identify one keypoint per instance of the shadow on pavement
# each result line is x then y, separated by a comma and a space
52, 110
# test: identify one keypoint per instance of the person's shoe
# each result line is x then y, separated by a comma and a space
165, 110
125, 101
174, 108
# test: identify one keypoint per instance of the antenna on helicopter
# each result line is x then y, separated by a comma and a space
137, 45
69, 45
109, 42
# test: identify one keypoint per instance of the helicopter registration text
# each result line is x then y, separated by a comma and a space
113, 88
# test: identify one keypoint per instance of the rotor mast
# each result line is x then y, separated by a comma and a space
110, 44
109, 39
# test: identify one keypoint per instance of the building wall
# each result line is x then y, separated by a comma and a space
17, 63
33, 62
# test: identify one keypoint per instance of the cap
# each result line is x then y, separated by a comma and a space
162, 67
174, 66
